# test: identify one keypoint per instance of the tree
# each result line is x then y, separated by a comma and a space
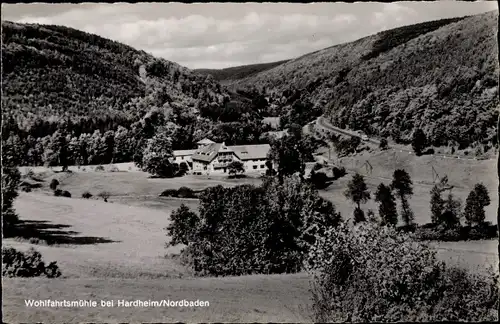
482, 194
384, 145
108, 140
437, 204
236, 167
287, 155
477, 199
403, 185
451, 215
387, 205
12, 150
183, 226
60, 149
157, 155
357, 192
10, 182
53, 184
419, 141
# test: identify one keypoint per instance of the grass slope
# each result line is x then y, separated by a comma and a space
441, 76
115, 250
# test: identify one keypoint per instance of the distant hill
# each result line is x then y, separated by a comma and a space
441, 76
56, 71
228, 75
72, 96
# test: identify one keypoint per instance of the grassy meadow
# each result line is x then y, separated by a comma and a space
116, 250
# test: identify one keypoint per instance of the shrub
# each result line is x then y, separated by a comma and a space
316, 167
384, 145
185, 192
53, 184
338, 172
429, 151
169, 193
27, 264
182, 228
183, 169
419, 141
58, 192
66, 193
319, 180
99, 168
113, 168
374, 273
248, 230
104, 195
86, 195
26, 188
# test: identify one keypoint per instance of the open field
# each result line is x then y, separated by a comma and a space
463, 174
272, 298
130, 265
111, 251
116, 250
138, 189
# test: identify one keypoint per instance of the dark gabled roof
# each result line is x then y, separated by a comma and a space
205, 141
207, 153
243, 152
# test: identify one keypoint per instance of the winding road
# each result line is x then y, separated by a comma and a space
324, 126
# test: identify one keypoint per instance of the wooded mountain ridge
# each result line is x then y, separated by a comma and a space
440, 76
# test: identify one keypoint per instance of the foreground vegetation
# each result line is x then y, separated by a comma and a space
369, 273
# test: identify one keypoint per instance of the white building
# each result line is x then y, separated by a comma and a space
211, 157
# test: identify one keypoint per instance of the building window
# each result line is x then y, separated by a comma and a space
262, 166
255, 167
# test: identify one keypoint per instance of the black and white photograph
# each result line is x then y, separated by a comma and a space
250, 162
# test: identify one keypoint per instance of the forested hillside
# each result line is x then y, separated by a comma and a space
439, 76
98, 95
229, 75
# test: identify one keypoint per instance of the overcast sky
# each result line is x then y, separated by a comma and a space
218, 35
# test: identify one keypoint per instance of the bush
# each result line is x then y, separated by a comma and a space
113, 168
66, 194
26, 264
183, 226
169, 193
338, 172
316, 167
374, 273
86, 195
53, 184
249, 230
183, 169
319, 180
99, 168
384, 145
58, 192
185, 192
104, 195
26, 188
429, 151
